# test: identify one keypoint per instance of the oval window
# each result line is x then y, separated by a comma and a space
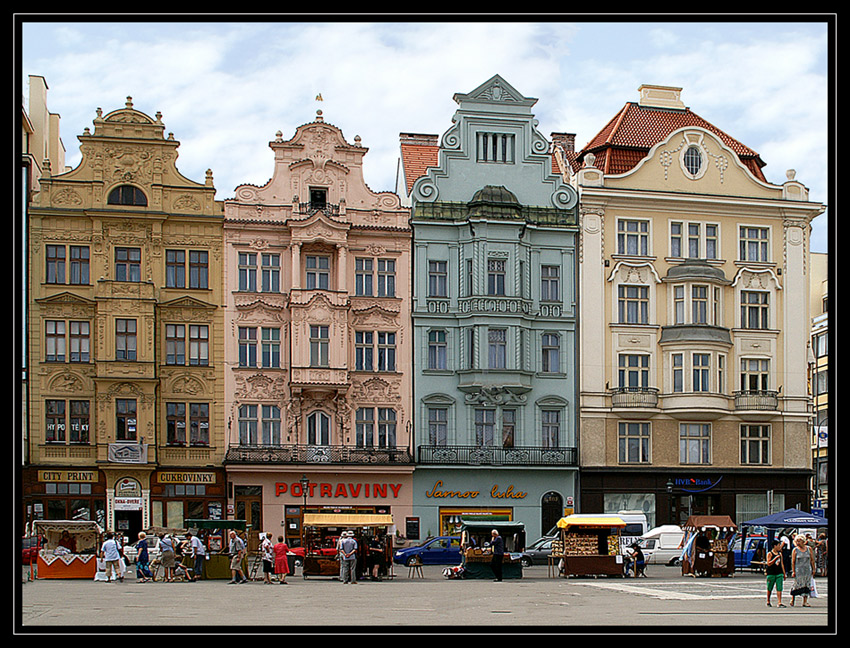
693, 160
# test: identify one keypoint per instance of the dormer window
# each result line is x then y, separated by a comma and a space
127, 195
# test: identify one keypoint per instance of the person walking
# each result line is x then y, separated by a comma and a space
237, 553
167, 556
348, 558
143, 559
775, 570
111, 557
281, 560
802, 570
820, 555
498, 547
267, 555
200, 554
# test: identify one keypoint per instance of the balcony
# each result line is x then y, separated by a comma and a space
756, 400
313, 454
497, 456
642, 397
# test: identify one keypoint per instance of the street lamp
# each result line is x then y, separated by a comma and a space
304, 484
672, 501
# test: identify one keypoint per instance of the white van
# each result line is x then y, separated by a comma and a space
662, 545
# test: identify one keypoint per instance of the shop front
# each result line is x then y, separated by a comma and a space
671, 496
443, 498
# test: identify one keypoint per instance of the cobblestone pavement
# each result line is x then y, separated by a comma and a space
402, 604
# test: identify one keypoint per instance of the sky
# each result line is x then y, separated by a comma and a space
225, 88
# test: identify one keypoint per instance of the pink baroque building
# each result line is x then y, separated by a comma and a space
317, 288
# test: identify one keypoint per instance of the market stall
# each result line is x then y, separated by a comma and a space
322, 531
215, 534
706, 546
477, 554
70, 548
589, 546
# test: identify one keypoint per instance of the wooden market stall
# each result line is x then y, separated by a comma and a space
322, 531
588, 546
707, 544
70, 548
477, 553
215, 534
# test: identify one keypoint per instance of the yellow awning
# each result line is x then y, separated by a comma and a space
347, 519
586, 520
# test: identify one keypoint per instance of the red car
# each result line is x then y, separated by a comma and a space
30, 547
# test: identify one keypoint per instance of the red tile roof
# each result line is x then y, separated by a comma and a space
627, 138
418, 152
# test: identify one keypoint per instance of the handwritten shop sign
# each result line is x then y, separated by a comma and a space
495, 492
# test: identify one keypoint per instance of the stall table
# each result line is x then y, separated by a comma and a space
79, 563
588, 546
321, 559
215, 536
476, 559
707, 540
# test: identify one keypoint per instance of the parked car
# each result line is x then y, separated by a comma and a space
754, 550
537, 553
30, 547
442, 550
662, 545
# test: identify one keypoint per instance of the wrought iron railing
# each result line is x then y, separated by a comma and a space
497, 456
316, 454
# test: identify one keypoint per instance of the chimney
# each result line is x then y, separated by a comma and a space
419, 139
566, 141
655, 96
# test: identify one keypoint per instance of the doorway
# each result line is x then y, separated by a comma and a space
551, 510
128, 524
698, 504
249, 507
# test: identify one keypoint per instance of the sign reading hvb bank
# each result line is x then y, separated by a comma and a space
696, 484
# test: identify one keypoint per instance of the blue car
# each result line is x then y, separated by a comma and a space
443, 550
755, 550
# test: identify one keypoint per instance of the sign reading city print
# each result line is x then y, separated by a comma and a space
76, 476
343, 490
496, 492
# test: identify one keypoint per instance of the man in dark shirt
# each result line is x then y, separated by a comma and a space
498, 547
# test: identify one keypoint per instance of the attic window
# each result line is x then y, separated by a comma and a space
127, 195
693, 160
495, 147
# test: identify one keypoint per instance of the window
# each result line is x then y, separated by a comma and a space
271, 425
701, 363
386, 351
633, 237
550, 278
270, 280
319, 344
54, 429
364, 350
199, 345
693, 160
437, 279
175, 269
633, 304
699, 304
485, 426
678, 304
247, 271
755, 444
125, 419
55, 259
318, 273
711, 239
270, 351
438, 426
364, 426
128, 264
495, 147
127, 195
363, 276
753, 243
318, 198
695, 443
175, 424
551, 360
508, 428
199, 353
676, 240
754, 309
386, 278
820, 345
247, 346
754, 374
79, 423
125, 339
437, 350
54, 335
175, 344
496, 277
386, 427
633, 442
318, 429
248, 425
79, 265
633, 370
551, 427
199, 270
678, 373
497, 346
80, 342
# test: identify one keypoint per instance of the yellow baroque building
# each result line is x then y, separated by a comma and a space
125, 335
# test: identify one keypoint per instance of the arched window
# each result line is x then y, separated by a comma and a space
127, 195
318, 429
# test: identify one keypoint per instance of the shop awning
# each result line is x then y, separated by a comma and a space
580, 520
347, 519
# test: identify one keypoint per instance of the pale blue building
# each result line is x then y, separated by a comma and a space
494, 319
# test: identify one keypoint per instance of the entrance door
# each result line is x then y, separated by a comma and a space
249, 507
128, 524
698, 504
551, 510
